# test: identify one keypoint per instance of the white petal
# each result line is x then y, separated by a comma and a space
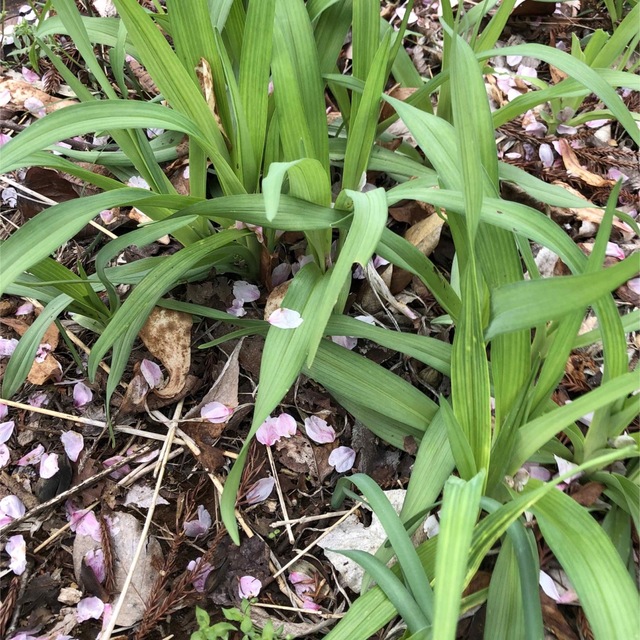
285, 318
73, 444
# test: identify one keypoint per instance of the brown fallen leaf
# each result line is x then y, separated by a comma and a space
21, 91
574, 168
167, 336
425, 235
274, 301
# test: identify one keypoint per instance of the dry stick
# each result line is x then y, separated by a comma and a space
147, 523
325, 533
281, 607
61, 497
45, 200
283, 506
305, 519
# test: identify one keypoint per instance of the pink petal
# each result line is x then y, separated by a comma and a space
266, 433
546, 155
596, 124
237, 309
246, 292
138, 182
5, 455
4, 138
89, 608
634, 285
12, 507
108, 216
6, 429
202, 571
33, 457
301, 582
7, 347
310, 605
38, 400
4, 411
249, 587
566, 129
379, 261
17, 550
49, 465
73, 444
285, 318
318, 430
280, 273
216, 412
565, 466
614, 251
348, 342
342, 459
43, 351
29, 75
151, 373
24, 309
260, 490
199, 527
95, 559
118, 473
286, 425
35, 106
82, 395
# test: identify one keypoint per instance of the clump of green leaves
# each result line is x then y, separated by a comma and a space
238, 620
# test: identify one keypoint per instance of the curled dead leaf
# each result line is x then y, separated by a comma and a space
167, 336
274, 301
21, 91
573, 166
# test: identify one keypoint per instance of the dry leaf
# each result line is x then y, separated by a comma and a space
167, 336
205, 77
275, 299
425, 235
21, 91
574, 168
143, 218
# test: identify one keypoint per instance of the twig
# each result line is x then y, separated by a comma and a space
325, 533
61, 497
58, 532
283, 506
106, 635
305, 519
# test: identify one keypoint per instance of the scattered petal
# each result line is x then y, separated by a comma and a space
280, 274
310, 605
142, 496
4, 411
73, 444
202, 571
286, 425
368, 319
118, 473
557, 591
318, 430
29, 75
33, 457
82, 395
138, 182
89, 608
94, 558
199, 527
246, 292
151, 373
5, 455
302, 583
17, 550
154, 132
35, 107
614, 251
564, 466
272, 429
216, 412
285, 318
342, 459
38, 400
6, 430
348, 342
108, 216
11, 507
566, 129
249, 587
5, 97
43, 351
237, 309
546, 155
24, 309
260, 490
85, 523
634, 285
49, 465
7, 347
431, 526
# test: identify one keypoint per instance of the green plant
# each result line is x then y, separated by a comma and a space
271, 155
221, 630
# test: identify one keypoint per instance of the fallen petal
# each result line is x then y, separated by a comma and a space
89, 608
286, 425
216, 412
12, 507
94, 559
4, 411
348, 342
73, 444
546, 155
17, 550
267, 433
5, 455
7, 347
249, 587
199, 527
6, 430
49, 465
35, 107
24, 309
634, 285
614, 251
318, 430
237, 309
82, 395
565, 466
152, 373
33, 457
246, 292
285, 318
138, 182
342, 459
260, 490
280, 274
202, 571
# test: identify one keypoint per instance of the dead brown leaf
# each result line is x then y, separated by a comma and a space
21, 91
425, 235
167, 336
588, 493
574, 168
